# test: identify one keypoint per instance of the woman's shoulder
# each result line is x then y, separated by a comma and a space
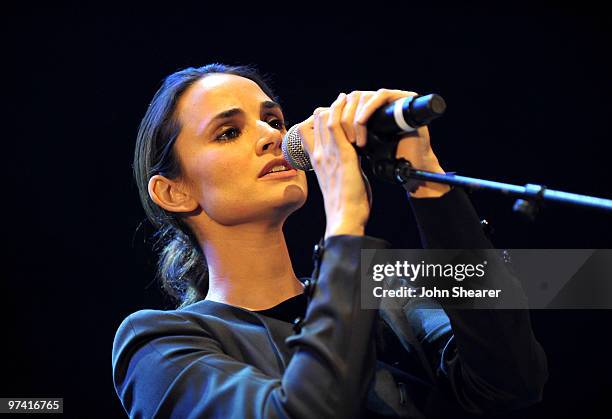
204, 317
157, 320
155, 346
150, 320
198, 321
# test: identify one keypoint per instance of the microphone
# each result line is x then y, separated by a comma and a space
402, 116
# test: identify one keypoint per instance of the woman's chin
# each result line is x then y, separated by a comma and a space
294, 197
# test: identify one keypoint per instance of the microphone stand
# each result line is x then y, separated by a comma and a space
381, 156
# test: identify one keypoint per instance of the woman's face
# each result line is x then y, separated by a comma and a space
230, 130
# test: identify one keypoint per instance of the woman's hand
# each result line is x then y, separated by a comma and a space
414, 147
338, 170
329, 135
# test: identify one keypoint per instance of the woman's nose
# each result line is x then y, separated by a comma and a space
270, 139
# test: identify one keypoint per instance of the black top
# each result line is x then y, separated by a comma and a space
288, 310
211, 359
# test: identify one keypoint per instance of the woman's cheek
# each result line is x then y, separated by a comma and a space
223, 187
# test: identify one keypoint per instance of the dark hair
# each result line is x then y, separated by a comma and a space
182, 267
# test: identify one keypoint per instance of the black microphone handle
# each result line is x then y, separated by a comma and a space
405, 115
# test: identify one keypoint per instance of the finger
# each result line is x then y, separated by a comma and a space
348, 115
382, 97
361, 132
335, 113
320, 136
306, 132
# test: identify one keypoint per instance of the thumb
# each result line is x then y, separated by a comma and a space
306, 131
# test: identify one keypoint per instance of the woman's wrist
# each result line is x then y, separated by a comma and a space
430, 190
348, 228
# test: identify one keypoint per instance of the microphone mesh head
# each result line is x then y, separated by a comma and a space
294, 152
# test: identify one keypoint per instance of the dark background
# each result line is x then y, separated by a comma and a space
528, 101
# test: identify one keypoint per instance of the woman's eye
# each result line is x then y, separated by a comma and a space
228, 135
278, 124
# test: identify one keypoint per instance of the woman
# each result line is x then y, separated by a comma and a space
212, 179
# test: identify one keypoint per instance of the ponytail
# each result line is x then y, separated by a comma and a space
181, 267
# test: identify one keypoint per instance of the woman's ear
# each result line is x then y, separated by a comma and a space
171, 195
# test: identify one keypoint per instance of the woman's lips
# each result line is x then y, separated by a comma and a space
278, 161
280, 175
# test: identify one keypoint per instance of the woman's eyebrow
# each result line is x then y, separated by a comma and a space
204, 125
268, 104
227, 114
265, 105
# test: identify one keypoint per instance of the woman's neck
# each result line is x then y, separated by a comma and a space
249, 266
